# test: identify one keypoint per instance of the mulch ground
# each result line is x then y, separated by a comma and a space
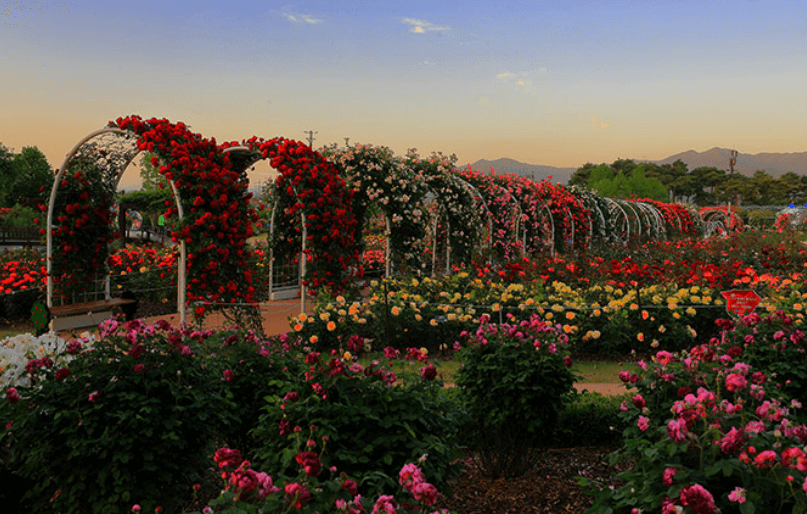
550, 487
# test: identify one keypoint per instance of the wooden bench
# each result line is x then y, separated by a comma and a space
86, 314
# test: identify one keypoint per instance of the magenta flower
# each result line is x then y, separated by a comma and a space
735, 382
140, 368
228, 375
794, 458
643, 423
737, 495
385, 505
12, 395
425, 492
766, 459
310, 463
351, 487
410, 475
677, 430
226, 457
297, 494
429, 372
668, 476
732, 441
698, 499
93, 396
61, 374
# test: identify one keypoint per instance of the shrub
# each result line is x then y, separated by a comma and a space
773, 343
252, 492
130, 420
513, 381
590, 419
733, 442
370, 423
251, 369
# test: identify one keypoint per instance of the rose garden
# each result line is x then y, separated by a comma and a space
453, 312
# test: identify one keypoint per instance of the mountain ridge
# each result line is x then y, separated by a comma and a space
774, 163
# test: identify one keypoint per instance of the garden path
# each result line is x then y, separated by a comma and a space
276, 321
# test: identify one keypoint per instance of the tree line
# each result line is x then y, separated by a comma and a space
26, 178
703, 186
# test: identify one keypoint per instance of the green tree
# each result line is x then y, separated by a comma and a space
150, 173
582, 175
637, 185
703, 184
673, 176
33, 176
8, 175
788, 188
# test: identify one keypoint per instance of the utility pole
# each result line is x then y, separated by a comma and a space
310, 137
732, 161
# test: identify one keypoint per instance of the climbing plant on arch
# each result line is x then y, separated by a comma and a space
459, 216
212, 207
312, 201
214, 216
378, 177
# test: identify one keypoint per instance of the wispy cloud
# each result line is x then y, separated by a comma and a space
290, 13
595, 122
417, 26
520, 79
485, 100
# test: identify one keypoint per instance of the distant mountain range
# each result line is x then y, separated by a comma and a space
775, 164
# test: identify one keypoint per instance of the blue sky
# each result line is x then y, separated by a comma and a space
559, 83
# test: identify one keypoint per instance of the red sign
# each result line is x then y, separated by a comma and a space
741, 301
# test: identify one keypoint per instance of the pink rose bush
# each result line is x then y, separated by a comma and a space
714, 427
248, 491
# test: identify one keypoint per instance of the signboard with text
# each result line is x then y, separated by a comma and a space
741, 301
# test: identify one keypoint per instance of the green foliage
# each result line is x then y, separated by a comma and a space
23, 176
34, 176
133, 421
369, 425
513, 382
150, 174
8, 176
590, 419
636, 185
252, 369
149, 202
21, 216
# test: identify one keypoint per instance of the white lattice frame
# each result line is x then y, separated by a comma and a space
181, 280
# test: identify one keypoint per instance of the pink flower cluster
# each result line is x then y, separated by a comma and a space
412, 479
244, 481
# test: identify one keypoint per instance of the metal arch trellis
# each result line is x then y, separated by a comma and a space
635, 217
255, 157
476, 194
614, 205
442, 210
118, 148
648, 213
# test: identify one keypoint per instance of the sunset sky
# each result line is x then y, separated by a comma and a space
559, 82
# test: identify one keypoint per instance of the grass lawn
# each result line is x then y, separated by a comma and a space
590, 371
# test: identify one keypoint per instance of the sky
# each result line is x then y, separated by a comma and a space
558, 83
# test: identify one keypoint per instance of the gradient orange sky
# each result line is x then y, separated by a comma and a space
557, 83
